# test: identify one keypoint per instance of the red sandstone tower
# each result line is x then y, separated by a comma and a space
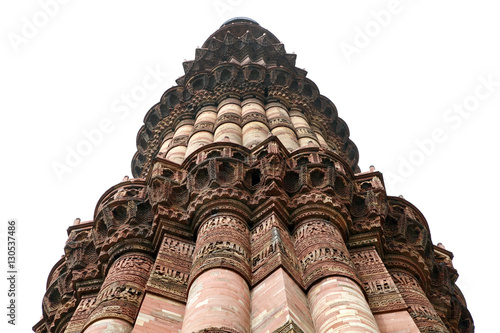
248, 213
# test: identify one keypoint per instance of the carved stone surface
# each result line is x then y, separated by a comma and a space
245, 179
289, 327
81, 255
81, 314
223, 241
272, 247
419, 306
321, 252
170, 274
383, 295
123, 289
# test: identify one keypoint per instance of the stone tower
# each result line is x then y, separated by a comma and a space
248, 213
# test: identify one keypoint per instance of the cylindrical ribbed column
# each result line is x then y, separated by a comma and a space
338, 305
203, 129
228, 125
178, 146
336, 299
321, 251
120, 297
281, 125
306, 136
166, 144
254, 121
109, 325
419, 306
321, 138
219, 296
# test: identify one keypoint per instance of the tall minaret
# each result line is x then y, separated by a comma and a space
247, 212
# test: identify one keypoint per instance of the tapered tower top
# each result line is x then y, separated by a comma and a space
239, 19
238, 62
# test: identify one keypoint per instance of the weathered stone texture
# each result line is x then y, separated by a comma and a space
218, 298
276, 301
338, 305
247, 212
159, 314
396, 322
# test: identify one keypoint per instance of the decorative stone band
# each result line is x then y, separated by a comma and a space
272, 247
152, 136
203, 126
419, 306
228, 118
247, 122
278, 114
180, 140
280, 122
228, 123
122, 291
383, 295
222, 241
254, 122
177, 147
170, 274
321, 252
281, 125
305, 134
85, 307
254, 116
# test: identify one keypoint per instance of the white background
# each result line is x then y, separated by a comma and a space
68, 76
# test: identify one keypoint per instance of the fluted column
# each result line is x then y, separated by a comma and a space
386, 302
254, 122
419, 306
166, 144
203, 129
281, 125
336, 299
219, 296
119, 299
178, 146
319, 135
228, 125
304, 132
